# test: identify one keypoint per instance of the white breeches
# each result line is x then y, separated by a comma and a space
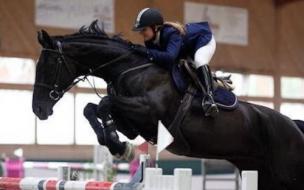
204, 54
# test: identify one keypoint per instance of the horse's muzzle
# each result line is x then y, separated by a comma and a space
42, 112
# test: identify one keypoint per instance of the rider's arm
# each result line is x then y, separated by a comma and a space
171, 53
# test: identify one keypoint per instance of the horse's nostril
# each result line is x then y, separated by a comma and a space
37, 109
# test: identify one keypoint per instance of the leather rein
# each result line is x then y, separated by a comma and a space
56, 93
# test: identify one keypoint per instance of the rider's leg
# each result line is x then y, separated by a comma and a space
202, 58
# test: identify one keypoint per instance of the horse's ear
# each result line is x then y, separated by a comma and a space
44, 39
40, 38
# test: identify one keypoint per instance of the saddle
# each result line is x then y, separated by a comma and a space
183, 75
188, 84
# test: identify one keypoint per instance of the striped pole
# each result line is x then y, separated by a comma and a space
29, 183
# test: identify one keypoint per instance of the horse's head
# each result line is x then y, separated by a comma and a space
53, 75
64, 58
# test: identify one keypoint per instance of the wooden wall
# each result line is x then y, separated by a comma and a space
290, 41
275, 32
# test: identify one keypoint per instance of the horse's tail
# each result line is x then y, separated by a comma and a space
300, 124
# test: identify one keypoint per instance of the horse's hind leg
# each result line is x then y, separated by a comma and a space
291, 173
288, 163
266, 182
266, 179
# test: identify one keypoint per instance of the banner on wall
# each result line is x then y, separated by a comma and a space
229, 24
74, 13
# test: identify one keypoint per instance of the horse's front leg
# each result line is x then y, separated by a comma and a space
104, 111
90, 112
106, 132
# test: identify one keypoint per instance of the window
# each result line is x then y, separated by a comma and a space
293, 110
17, 70
260, 85
59, 128
253, 85
292, 87
17, 124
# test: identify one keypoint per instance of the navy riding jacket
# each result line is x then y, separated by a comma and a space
173, 46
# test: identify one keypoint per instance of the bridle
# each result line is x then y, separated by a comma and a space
56, 93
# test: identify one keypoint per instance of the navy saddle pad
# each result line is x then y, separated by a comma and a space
224, 98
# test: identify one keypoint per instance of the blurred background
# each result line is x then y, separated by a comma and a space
260, 42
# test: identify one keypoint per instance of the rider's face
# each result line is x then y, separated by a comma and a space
147, 33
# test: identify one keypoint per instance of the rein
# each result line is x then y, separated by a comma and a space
55, 93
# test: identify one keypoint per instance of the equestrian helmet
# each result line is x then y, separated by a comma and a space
148, 17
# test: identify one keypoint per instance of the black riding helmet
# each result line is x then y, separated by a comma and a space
148, 17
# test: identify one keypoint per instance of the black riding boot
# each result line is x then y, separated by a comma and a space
208, 104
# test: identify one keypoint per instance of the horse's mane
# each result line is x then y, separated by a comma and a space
94, 32
93, 29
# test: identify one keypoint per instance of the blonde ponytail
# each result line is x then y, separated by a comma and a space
178, 26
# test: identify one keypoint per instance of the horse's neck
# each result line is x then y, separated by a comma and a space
154, 83
132, 80
112, 69
91, 55
120, 71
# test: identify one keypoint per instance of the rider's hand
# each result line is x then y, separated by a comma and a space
141, 50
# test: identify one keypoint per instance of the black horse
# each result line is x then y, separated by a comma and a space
252, 137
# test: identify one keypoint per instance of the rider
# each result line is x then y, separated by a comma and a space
166, 42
